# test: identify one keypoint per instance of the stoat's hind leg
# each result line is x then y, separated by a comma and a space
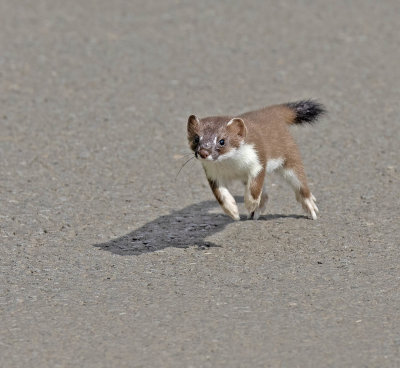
309, 205
293, 173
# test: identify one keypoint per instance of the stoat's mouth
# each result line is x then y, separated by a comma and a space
208, 158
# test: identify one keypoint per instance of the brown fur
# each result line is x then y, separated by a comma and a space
215, 190
268, 130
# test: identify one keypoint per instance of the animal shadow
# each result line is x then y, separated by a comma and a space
180, 229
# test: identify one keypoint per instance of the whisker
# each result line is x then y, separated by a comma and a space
187, 155
182, 156
191, 158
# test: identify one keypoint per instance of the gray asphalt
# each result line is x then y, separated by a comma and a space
108, 260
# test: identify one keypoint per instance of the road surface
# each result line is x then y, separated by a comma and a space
108, 260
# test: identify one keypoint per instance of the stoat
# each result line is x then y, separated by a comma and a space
249, 146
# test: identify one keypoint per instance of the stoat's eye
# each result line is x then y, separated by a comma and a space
222, 142
196, 139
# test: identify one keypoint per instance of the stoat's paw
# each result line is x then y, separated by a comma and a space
235, 216
260, 209
309, 206
233, 213
256, 214
231, 209
251, 204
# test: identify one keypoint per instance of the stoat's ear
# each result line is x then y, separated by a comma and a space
237, 126
193, 123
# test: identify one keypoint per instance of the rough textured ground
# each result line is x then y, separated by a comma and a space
107, 260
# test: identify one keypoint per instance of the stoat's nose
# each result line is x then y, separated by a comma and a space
204, 153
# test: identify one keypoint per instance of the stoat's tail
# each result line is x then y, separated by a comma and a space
307, 111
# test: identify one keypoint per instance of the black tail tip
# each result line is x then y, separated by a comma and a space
307, 111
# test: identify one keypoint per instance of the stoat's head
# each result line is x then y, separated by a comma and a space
215, 138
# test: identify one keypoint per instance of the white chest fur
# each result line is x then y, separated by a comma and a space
239, 164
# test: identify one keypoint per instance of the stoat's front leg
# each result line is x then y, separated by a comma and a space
225, 199
263, 203
252, 194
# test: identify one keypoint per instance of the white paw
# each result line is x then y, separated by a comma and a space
256, 214
229, 204
310, 206
233, 213
251, 204
261, 208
